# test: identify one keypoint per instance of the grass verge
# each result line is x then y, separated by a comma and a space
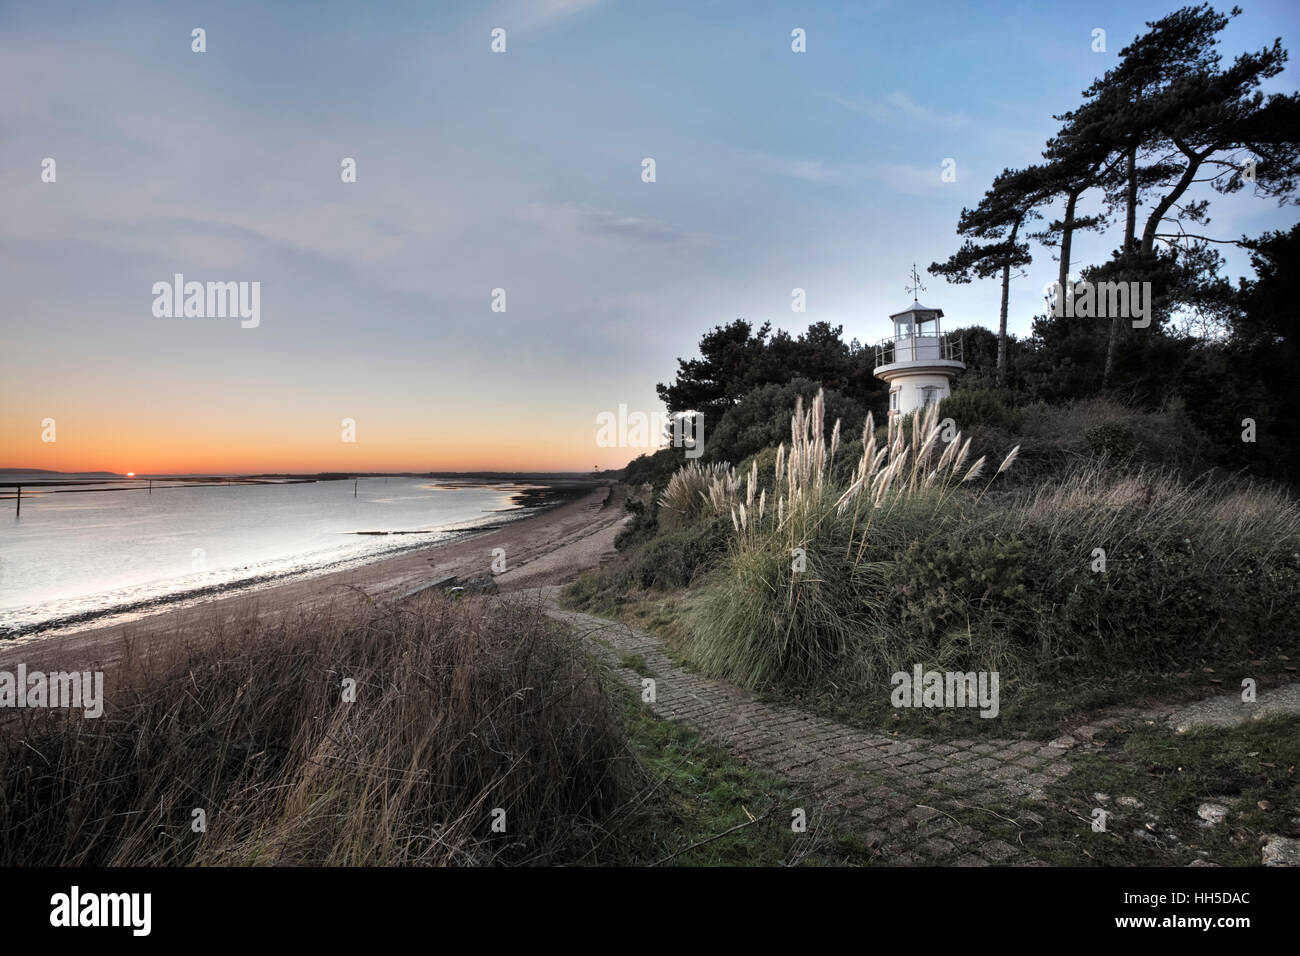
1151, 782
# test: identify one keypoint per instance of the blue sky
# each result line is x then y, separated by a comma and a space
477, 171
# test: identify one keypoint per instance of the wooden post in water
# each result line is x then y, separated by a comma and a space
19, 511
354, 487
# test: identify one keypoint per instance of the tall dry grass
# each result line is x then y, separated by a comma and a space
1145, 569
697, 489
1098, 503
899, 472
461, 707
796, 587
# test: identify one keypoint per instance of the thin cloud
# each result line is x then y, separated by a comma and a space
583, 218
809, 170
527, 16
911, 179
899, 107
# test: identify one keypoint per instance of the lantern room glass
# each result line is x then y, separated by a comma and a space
916, 324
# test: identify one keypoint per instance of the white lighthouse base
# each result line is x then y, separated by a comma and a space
910, 392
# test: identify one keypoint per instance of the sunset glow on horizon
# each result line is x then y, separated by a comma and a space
87, 443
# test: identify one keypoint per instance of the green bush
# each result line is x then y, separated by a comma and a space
1113, 572
761, 419
673, 560
934, 587
654, 470
970, 407
642, 527
1112, 439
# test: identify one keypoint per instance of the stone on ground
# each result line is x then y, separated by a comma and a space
1230, 710
1281, 851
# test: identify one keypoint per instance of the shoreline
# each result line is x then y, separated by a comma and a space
134, 610
549, 544
528, 499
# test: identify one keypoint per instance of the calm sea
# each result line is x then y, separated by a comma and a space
73, 554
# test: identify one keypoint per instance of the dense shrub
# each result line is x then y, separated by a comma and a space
673, 560
655, 469
643, 518
999, 577
969, 407
937, 585
1111, 439
760, 418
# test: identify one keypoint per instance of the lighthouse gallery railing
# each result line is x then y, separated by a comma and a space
920, 348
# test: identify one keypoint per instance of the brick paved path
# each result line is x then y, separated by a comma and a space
891, 791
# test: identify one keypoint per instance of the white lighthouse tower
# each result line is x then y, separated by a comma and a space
919, 361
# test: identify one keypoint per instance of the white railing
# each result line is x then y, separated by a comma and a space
920, 348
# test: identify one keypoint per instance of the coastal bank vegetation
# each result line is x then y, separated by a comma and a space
1123, 520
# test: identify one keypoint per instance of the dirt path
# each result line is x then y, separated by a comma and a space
896, 793
549, 548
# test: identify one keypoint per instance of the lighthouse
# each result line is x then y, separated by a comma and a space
919, 361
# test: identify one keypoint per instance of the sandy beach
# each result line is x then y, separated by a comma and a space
550, 547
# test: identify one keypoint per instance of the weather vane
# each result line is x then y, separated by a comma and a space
915, 288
